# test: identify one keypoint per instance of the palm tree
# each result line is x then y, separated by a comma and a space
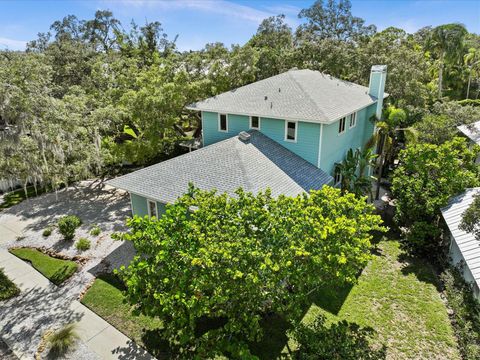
353, 171
447, 42
385, 136
472, 61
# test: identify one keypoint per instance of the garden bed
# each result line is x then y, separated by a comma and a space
54, 269
7, 288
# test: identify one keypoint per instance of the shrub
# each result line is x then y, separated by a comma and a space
466, 313
342, 340
67, 226
47, 232
63, 339
95, 231
7, 288
83, 244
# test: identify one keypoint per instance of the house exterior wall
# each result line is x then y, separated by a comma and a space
140, 206
335, 146
306, 145
458, 260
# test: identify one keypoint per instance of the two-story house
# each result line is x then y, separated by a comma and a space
285, 132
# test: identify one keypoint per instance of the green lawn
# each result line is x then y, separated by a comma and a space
7, 288
17, 196
395, 295
106, 299
56, 270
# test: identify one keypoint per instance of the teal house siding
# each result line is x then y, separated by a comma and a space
211, 133
308, 137
335, 145
140, 206
306, 145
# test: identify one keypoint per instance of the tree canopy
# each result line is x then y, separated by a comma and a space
235, 259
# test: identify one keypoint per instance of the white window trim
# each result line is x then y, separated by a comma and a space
344, 125
259, 123
286, 131
355, 123
148, 207
219, 127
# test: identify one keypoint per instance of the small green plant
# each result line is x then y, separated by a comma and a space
47, 232
62, 340
95, 231
83, 244
67, 226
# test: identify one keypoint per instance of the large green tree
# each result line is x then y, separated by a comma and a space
447, 43
238, 258
428, 176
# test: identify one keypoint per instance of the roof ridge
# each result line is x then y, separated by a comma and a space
305, 92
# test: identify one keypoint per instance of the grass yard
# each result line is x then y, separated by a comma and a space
56, 270
17, 196
106, 299
7, 288
395, 295
398, 298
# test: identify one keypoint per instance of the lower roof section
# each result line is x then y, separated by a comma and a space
254, 165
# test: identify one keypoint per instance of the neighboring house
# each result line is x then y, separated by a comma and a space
300, 124
464, 247
472, 131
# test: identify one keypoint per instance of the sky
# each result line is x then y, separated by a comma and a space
198, 22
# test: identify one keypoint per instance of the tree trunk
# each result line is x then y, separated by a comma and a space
380, 167
440, 76
468, 84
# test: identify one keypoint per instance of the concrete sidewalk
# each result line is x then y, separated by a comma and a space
42, 305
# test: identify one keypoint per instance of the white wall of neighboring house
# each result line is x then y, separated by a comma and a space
458, 261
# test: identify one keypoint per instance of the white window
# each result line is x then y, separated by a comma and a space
254, 122
290, 131
341, 125
353, 120
222, 122
152, 208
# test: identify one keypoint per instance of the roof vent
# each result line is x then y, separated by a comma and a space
244, 136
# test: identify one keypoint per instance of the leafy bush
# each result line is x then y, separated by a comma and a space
47, 232
7, 288
95, 231
67, 226
62, 340
428, 176
466, 313
341, 341
83, 244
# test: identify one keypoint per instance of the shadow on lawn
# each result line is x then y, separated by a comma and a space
421, 268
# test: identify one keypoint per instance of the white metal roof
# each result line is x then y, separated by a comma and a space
472, 131
467, 243
303, 95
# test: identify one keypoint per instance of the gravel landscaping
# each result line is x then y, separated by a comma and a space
97, 205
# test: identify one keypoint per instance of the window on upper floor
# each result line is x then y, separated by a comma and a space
254, 122
222, 122
152, 208
353, 120
341, 125
290, 131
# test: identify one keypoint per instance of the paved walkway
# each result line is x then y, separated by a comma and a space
42, 305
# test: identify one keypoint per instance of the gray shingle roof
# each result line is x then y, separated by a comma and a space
467, 243
472, 131
293, 95
227, 165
